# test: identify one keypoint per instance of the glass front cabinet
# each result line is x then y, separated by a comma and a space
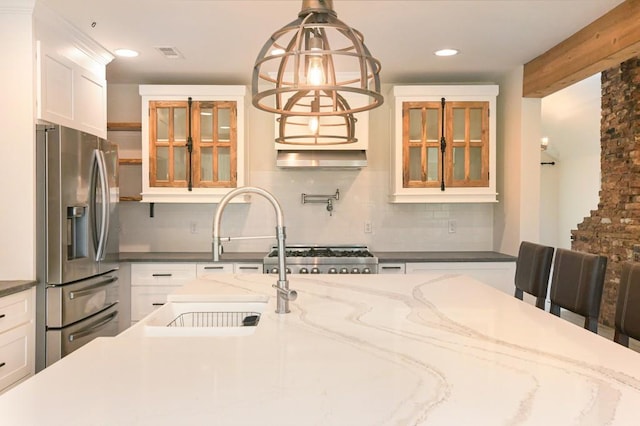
444, 145
193, 142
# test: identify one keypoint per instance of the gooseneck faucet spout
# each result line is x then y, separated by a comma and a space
284, 294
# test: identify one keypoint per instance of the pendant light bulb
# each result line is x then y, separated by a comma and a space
315, 70
314, 124
315, 74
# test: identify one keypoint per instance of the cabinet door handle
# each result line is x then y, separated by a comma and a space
157, 304
2, 364
162, 275
391, 267
248, 267
2, 316
214, 267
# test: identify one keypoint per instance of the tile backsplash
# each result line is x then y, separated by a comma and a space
394, 227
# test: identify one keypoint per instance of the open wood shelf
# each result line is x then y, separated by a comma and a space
131, 198
130, 161
124, 126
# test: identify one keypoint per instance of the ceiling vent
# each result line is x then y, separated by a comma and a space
169, 52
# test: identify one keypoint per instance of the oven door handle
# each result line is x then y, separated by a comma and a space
93, 327
92, 289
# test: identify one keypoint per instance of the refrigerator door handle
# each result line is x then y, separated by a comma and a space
101, 167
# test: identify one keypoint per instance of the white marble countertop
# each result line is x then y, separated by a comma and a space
355, 350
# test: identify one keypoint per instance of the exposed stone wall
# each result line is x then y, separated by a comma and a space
613, 230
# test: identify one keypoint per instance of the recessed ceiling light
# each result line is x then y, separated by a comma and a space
446, 52
126, 53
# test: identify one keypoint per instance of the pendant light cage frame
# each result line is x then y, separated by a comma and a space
350, 71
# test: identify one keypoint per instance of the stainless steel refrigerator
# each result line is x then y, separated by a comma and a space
77, 249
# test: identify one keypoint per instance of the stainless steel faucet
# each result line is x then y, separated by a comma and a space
283, 293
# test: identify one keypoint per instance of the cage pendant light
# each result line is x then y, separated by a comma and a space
316, 67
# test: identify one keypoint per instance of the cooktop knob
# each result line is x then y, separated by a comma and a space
366, 270
288, 270
273, 270
344, 270
315, 270
355, 271
304, 270
333, 271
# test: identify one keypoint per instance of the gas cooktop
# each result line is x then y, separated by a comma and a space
315, 259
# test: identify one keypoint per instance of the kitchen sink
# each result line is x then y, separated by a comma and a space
204, 318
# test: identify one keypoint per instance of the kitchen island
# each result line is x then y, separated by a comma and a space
355, 350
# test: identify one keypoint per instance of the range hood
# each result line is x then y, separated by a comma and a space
321, 159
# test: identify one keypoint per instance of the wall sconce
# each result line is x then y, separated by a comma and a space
544, 143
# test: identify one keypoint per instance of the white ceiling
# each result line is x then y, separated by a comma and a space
220, 39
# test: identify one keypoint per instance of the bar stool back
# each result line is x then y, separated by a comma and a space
627, 322
576, 285
533, 268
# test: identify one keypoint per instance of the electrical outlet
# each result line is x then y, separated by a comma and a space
368, 228
453, 226
193, 227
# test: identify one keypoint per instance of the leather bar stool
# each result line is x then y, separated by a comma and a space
533, 268
576, 285
627, 322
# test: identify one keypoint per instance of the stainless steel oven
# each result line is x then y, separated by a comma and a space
315, 259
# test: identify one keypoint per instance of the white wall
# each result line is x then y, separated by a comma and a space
363, 197
570, 189
517, 215
17, 153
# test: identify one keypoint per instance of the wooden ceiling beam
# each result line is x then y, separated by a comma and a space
606, 42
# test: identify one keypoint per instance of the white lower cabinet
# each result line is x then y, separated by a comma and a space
17, 338
391, 268
247, 268
228, 268
499, 275
152, 282
203, 269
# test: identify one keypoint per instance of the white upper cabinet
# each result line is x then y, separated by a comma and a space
444, 144
192, 142
71, 75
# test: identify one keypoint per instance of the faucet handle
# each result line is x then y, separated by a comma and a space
290, 295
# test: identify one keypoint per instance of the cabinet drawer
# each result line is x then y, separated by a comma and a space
169, 274
16, 309
203, 269
391, 268
16, 361
247, 268
146, 299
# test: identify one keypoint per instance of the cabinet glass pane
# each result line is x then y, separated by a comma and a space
458, 163
415, 124
162, 163
224, 124
475, 163
162, 124
206, 164
415, 164
206, 124
475, 124
432, 164
179, 124
180, 163
458, 124
224, 164
432, 125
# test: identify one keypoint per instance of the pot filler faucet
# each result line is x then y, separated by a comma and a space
284, 295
